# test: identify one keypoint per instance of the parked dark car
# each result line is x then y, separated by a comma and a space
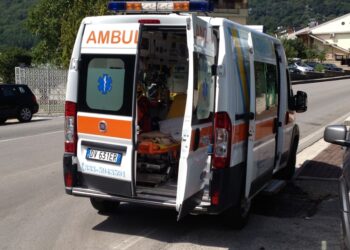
332, 67
17, 101
340, 135
311, 64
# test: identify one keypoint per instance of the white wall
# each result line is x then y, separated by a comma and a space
338, 25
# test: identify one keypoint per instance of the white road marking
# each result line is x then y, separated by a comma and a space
30, 136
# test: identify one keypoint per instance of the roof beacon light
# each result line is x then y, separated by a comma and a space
161, 6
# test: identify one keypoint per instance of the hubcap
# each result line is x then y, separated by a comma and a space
26, 114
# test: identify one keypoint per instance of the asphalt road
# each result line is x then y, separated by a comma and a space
35, 212
328, 101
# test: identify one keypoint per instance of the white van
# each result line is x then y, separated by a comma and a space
180, 111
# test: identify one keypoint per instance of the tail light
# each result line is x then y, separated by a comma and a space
149, 21
222, 140
70, 128
68, 179
34, 99
215, 198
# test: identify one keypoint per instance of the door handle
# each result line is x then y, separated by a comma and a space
276, 125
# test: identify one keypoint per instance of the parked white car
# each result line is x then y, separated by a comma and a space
303, 67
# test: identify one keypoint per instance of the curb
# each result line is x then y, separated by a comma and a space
321, 80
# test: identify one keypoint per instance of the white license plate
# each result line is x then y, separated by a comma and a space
99, 155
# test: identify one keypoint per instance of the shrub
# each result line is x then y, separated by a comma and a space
319, 67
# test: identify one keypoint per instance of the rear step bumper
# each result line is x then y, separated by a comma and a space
93, 193
84, 192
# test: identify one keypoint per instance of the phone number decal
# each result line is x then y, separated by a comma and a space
102, 171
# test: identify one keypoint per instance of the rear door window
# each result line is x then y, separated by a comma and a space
107, 84
109, 75
203, 87
22, 90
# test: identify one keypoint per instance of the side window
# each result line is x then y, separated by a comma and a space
203, 99
266, 88
266, 75
9, 91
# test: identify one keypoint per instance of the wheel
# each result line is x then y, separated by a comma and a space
237, 217
25, 114
104, 206
287, 172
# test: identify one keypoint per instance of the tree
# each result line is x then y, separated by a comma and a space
72, 20
294, 48
45, 21
311, 53
11, 58
321, 55
294, 13
56, 24
290, 51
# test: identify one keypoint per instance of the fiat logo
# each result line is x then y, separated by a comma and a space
102, 126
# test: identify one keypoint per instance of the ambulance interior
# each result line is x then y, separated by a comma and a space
161, 99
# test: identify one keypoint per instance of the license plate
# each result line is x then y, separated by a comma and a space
99, 155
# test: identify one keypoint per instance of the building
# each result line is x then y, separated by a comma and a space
332, 36
235, 10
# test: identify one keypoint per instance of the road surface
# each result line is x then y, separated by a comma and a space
328, 101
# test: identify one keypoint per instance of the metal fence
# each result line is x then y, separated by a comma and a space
48, 85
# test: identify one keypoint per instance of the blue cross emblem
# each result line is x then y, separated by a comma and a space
105, 84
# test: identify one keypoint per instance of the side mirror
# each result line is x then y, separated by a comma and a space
300, 102
336, 134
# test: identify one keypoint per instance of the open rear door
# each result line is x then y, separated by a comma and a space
197, 128
105, 124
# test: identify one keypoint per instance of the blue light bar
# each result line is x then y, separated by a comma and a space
117, 6
158, 6
201, 6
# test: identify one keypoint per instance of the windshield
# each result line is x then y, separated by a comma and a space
303, 65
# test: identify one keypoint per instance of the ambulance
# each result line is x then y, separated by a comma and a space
170, 109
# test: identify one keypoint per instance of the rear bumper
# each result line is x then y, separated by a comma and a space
99, 187
84, 192
35, 109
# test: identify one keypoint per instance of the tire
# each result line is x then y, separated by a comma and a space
237, 217
24, 114
104, 206
287, 172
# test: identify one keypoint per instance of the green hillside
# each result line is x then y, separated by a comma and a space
12, 29
270, 13
294, 13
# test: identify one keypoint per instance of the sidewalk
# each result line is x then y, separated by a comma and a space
325, 165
